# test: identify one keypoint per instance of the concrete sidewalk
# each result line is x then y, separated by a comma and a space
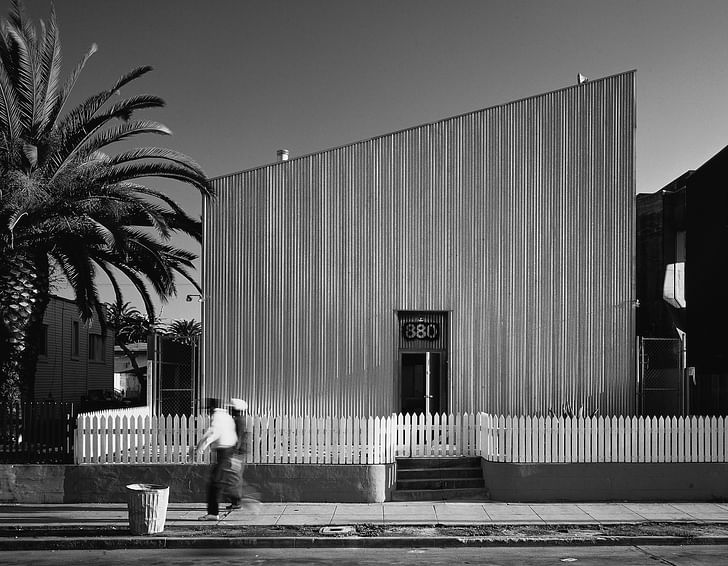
185, 515
437, 524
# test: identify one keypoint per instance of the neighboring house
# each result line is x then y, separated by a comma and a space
125, 378
75, 361
481, 262
681, 267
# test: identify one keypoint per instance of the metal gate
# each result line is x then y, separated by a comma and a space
661, 384
174, 379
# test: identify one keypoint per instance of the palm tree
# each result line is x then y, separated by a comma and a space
130, 326
67, 205
186, 331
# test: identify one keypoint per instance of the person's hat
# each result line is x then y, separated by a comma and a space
239, 404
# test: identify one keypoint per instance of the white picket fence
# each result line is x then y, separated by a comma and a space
375, 440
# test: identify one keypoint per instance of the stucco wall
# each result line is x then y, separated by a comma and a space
105, 483
606, 482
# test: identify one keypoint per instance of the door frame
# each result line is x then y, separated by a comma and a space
445, 316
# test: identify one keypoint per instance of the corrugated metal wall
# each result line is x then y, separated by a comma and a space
517, 219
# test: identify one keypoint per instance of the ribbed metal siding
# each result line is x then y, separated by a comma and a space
517, 219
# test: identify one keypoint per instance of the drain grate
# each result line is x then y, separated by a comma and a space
340, 530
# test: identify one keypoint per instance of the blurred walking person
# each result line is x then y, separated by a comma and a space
223, 439
236, 485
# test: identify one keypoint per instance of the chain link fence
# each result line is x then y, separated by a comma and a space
662, 389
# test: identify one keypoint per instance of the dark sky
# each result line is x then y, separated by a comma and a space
244, 78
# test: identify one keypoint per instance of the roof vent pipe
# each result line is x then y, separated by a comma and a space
282, 155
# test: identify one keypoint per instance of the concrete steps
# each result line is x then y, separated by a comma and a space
437, 479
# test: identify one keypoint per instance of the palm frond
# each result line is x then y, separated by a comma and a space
189, 277
26, 82
84, 112
9, 111
80, 127
112, 278
144, 190
160, 169
127, 130
140, 153
103, 232
78, 269
65, 91
131, 274
18, 19
108, 137
51, 64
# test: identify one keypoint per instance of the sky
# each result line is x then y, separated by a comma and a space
243, 78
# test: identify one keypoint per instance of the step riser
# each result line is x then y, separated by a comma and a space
407, 463
441, 495
439, 473
440, 484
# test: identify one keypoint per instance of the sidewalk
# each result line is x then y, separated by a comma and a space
440, 523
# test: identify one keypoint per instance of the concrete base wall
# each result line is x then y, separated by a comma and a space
105, 483
606, 482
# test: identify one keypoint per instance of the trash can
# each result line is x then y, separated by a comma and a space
147, 504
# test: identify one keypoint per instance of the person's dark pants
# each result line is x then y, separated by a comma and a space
236, 490
215, 487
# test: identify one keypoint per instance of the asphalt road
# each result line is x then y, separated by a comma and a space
697, 555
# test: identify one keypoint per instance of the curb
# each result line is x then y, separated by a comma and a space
154, 542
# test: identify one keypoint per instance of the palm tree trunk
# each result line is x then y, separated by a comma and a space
24, 296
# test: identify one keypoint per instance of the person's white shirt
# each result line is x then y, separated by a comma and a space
221, 433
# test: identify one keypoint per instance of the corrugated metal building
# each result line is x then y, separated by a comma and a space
482, 262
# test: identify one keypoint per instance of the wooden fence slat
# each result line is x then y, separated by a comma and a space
695, 449
548, 436
137, 439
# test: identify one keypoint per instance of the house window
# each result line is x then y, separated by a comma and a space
96, 349
75, 339
43, 342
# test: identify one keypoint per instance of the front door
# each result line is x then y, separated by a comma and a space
420, 374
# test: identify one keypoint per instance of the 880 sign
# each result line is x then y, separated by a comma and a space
420, 330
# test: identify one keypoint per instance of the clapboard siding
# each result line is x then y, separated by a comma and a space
64, 377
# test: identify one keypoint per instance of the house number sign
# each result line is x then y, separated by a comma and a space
420, 330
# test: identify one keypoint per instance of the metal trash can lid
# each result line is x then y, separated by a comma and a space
146, 487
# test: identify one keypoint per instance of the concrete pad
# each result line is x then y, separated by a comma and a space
310, 508
348, 513
561, 513
461, 513
262, 508
409, 513
658, 512
515, 513
703, 511
610, 513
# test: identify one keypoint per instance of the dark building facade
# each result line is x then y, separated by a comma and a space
686, 223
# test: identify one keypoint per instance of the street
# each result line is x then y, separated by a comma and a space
697, 555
